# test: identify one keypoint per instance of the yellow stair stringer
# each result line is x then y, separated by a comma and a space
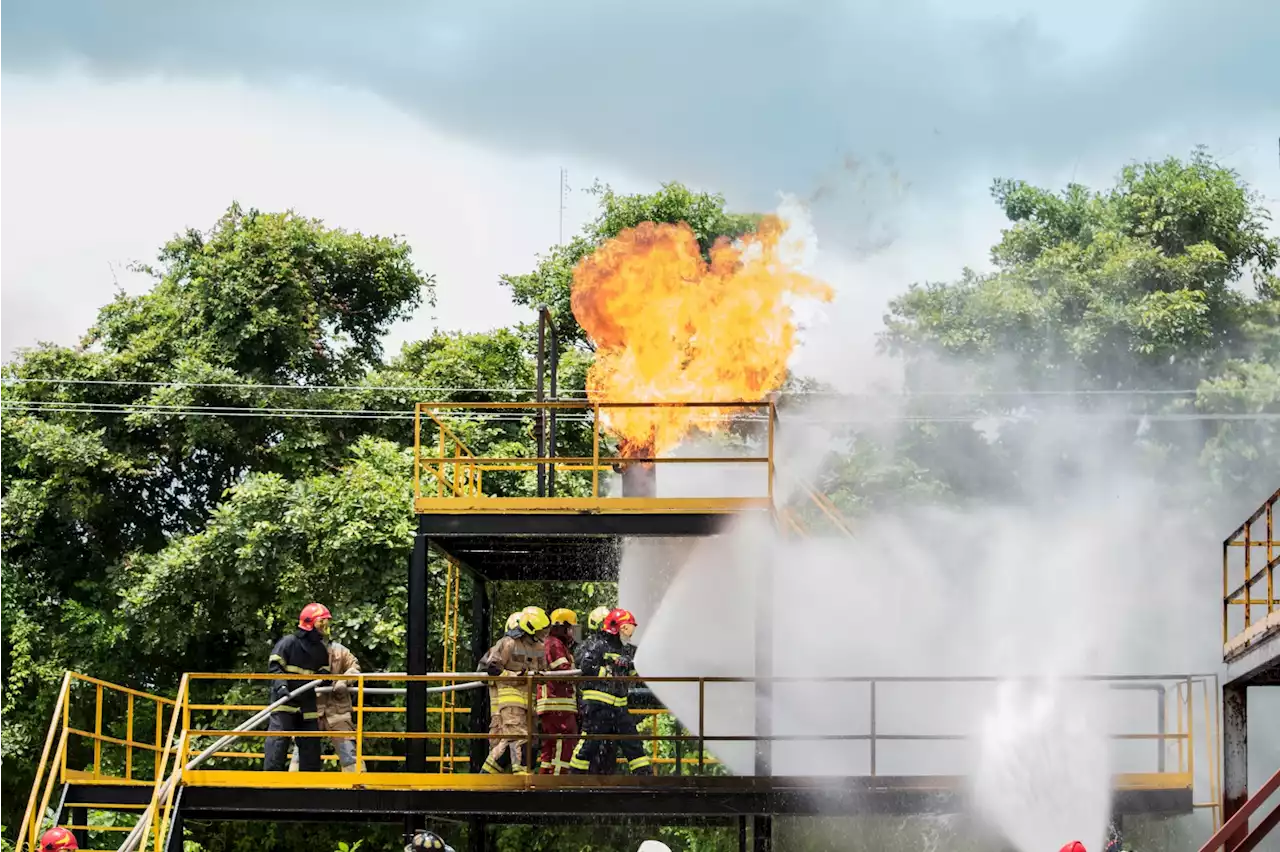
51, 761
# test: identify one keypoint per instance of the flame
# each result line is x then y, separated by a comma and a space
670, 327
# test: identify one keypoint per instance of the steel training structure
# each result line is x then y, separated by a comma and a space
421, 735
1251, 652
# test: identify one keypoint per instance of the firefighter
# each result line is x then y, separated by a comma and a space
606, 762
596, 619
520, 652
335, 708
491, 700
301, 652
604, 702
427, 840
57, 839
557, 700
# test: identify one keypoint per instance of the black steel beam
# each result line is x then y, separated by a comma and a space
576, 524
108, 794
693, 798
417, 657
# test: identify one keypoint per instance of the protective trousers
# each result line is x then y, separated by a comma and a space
277, 748
609, 719
512, 737
606, 761
557, 752
344, 746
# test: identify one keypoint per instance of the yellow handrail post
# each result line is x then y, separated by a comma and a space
531, 763
128, 735
595, 450
1191, 732
417, 450
1248, 587
359, 722
97, 734
702, 724
1226, 591
159, 738
773, 416
1271, 568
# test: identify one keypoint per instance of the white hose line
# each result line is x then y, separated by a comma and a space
131, 840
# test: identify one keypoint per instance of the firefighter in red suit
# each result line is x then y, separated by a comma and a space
557, 703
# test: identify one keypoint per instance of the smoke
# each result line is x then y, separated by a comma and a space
1091, 570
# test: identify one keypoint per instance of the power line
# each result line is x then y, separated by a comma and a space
579, 394
55, 407
264, 387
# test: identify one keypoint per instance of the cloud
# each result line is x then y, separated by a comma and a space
109, 171
751, 97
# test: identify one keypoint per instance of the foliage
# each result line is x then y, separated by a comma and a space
1138, 288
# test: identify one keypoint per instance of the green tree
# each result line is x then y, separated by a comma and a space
107, 464
1136, 289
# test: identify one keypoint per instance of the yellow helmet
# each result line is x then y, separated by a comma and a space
596, 618
533, 619
564, 616
513, 621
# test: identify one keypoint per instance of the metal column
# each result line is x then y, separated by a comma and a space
764, 668
762, 834
79, 816
416, 664
1235, 755
481, 630
477, 834
546, 437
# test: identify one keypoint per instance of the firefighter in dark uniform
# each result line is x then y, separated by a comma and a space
606, 762
301, 652
604, 702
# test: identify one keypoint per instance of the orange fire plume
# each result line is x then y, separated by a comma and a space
669, 327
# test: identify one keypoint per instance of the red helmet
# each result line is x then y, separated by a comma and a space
309, 614
57, 838
616, 618
1073, 846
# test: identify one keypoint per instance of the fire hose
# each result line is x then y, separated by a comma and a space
132, 839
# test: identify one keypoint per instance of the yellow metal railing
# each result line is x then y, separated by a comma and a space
1202, 689
1259, 616
113, 758
449, 476
194, 724
377, 742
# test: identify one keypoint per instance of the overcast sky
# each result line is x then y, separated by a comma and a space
447, 122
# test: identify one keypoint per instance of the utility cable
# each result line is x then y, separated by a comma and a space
54, 407
10, 380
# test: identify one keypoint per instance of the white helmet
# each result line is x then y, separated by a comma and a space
654, 846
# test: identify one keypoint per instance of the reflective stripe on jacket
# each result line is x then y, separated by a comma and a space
301, 652
515, 654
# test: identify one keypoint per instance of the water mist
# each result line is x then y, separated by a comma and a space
1056, 588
